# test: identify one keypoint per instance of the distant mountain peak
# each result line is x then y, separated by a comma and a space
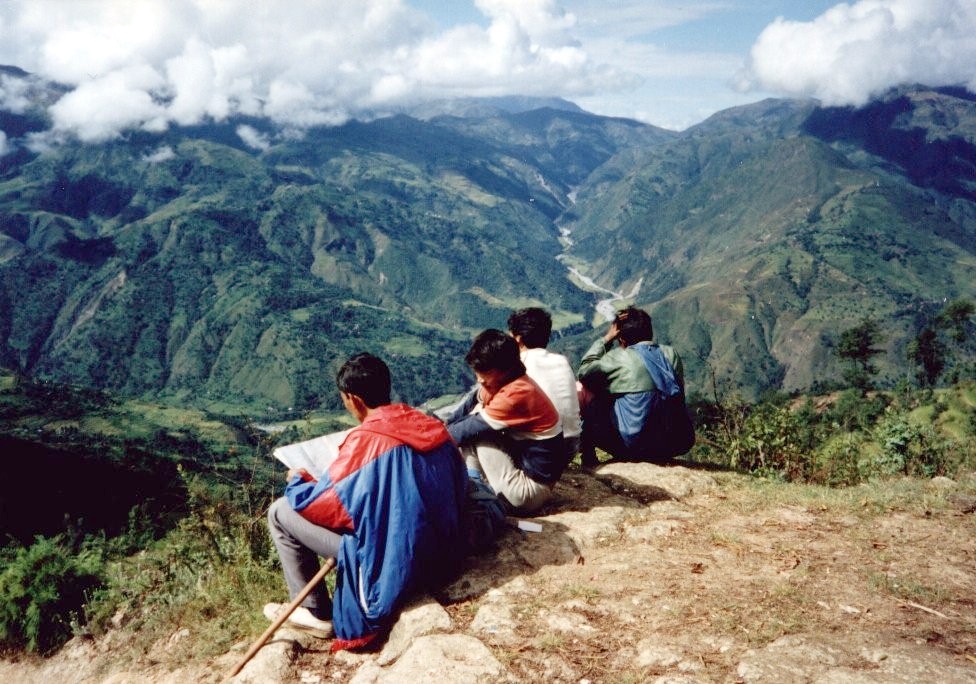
769, 111
477, 107
11, 70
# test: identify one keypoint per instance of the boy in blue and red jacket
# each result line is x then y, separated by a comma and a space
388, 509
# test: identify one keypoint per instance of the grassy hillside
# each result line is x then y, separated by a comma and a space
755, 243
215, 275
189, 266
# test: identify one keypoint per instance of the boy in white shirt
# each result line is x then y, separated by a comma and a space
532, 329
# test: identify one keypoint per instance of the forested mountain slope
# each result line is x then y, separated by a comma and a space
191, 265
765, 231
237, 264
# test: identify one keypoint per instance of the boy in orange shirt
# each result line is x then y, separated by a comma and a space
509, 429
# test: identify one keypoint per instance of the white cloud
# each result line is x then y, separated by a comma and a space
852, 52
78, 41
149, 64
13, 94
253, 138
528, 48
292, 103
100, 108
44, 141
164, 153
4, 145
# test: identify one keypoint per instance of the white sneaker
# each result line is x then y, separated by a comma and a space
301, 619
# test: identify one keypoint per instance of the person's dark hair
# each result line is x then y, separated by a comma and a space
367, 377
532, 325
494, 350
634, 325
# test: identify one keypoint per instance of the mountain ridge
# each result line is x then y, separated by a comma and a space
787, 210
193, 265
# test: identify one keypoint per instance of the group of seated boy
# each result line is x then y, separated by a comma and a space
391, 507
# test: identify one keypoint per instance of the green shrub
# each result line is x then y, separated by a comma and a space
910, 449
211, 574
971, 421
854, 410
774, 439
838, 462
858, 437
43, 588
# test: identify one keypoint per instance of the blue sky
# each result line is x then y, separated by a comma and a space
689, 60
151, 64
726, 26
692, 51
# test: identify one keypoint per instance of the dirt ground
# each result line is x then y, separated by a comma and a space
647, 574
743, 581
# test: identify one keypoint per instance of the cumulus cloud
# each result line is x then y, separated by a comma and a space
148, 64
855, 51
98, 108
253, 138
164, 153
14, 94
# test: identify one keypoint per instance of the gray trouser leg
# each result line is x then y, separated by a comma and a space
300, 543
522, 492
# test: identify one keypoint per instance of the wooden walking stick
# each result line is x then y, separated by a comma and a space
285, 614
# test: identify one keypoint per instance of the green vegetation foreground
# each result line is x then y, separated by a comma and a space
209, 562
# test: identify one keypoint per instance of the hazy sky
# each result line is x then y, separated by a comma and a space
153, 63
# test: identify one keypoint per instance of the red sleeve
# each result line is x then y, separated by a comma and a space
522, 405
358, 449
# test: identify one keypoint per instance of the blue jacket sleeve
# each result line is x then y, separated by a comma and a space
463, 408
468, 428
300, 491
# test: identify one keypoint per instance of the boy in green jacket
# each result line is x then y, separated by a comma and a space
622, 392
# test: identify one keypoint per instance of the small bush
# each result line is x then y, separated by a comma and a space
909, 449
43, 588
858, 437
853, 410
774, 439
838, 462
971, 421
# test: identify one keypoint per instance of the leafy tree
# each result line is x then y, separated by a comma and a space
929, 353
955, 318
858, 345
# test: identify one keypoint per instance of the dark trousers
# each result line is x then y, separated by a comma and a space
599, 430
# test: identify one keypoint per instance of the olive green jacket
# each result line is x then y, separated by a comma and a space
621, 370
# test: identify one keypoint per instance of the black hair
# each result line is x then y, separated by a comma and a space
494, 350
532, 325
367, 377
634, 325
